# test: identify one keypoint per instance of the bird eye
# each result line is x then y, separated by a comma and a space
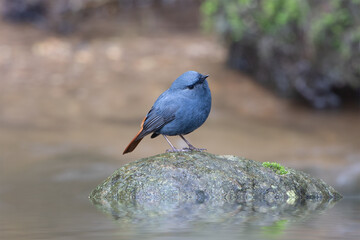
190, 87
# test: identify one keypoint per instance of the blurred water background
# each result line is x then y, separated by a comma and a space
77, 78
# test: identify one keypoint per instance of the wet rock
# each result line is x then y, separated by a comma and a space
173, 179
66, 16
23, 11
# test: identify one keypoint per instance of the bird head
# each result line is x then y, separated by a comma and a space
189, 80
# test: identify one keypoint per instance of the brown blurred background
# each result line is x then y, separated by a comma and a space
78, 77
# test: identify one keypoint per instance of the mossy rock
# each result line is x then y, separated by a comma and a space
199, 177
300, 49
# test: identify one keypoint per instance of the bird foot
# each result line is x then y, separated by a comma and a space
177, 150
188, 149
194, 149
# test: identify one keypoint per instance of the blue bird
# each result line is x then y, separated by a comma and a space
179, 110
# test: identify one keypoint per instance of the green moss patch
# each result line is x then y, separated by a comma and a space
276, 167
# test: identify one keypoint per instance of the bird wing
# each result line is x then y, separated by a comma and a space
153, 121
159, 115
156, 119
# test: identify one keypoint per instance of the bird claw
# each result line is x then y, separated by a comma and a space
188, 149
177, 150
195, 149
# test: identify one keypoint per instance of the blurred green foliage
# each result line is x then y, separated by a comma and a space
334, 22
322, 36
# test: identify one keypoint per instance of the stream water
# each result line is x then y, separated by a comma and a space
70, 104
49, 200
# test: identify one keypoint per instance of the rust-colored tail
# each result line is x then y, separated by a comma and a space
132, 145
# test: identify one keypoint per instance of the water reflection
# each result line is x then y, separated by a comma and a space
159, 215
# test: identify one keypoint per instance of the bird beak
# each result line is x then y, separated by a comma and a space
203, 77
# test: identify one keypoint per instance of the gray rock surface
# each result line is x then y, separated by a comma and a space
173, 179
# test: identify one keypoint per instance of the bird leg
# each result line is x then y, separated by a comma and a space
191, 147
173, 149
